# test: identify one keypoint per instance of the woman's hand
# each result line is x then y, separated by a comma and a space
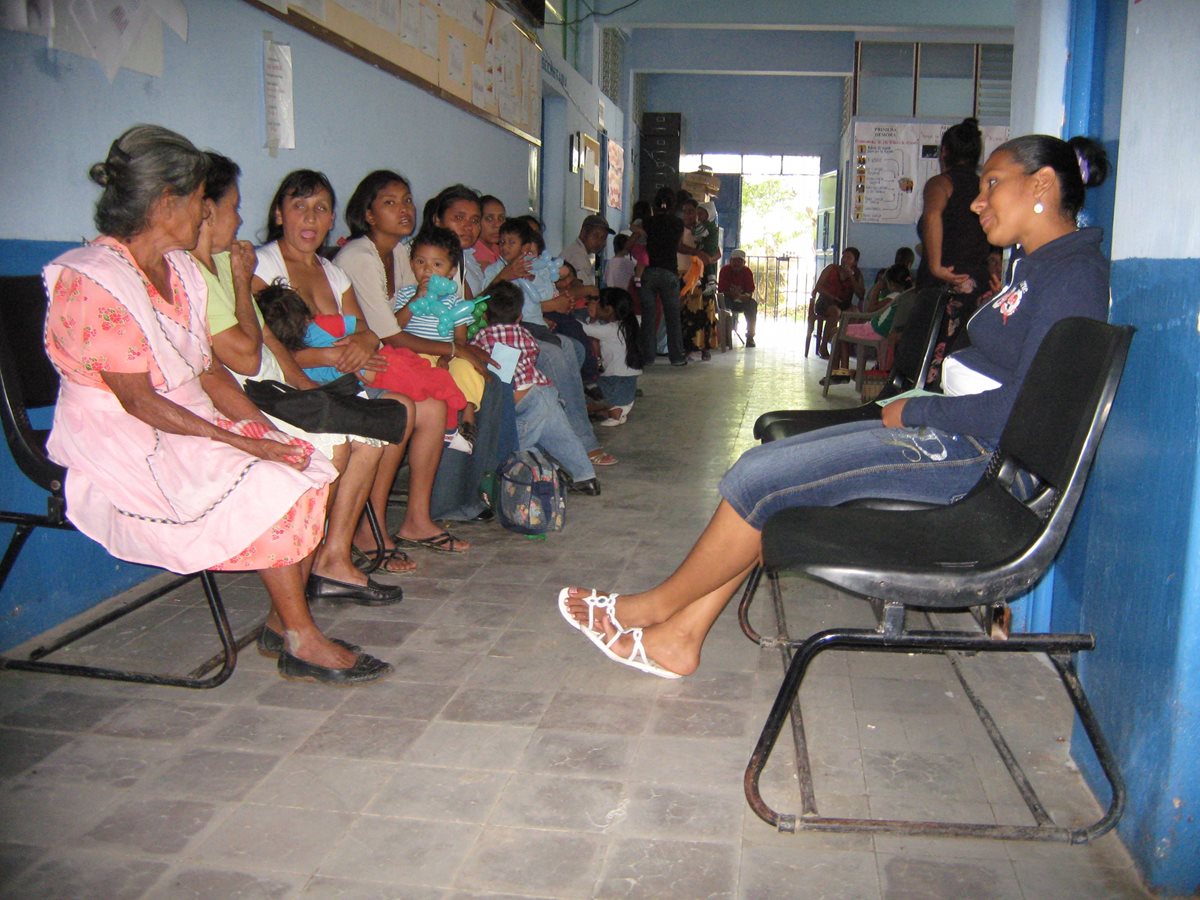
961, 284
475, 357
561, 303
297, 455
242, 261
893, 414
357, 351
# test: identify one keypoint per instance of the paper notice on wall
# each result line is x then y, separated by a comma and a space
110, 28
383, 13
481, 88
410, 22
456, 60
430, 31
277, 97
173, 14
476, 18
890, 164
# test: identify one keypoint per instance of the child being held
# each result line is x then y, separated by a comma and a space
883, 303
289, 318
615, 326
541, 420
437, 251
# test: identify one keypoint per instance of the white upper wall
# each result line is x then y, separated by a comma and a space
1040, 43
1156, 195
60, 114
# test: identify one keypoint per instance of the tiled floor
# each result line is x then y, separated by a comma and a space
507, 757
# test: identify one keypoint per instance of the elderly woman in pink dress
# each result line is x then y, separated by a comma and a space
168, 463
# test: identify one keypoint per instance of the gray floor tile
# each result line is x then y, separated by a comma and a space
777, 870
441, 794
324, 887
654, 869
218, 884
91, 759
470, 746
532, 800
571, 711
64, 711
401, 851
363, 737
21, 749
311, 782
300, 838
154, 826
206, 773
87, 874
685, 813
581, 754
532, 862
496, 707
909, 878
698, 719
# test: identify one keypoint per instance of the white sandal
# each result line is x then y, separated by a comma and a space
637, 659
604, 602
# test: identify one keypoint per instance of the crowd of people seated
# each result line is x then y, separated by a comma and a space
155, 326
158, 324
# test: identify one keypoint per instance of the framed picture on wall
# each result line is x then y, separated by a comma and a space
590, 160
616, 174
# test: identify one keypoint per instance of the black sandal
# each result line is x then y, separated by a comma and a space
442, 542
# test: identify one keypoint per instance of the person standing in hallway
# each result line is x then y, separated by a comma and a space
660, 281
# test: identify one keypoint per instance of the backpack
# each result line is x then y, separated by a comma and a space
531, 496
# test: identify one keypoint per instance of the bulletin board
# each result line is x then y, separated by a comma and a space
891, 163
469, 53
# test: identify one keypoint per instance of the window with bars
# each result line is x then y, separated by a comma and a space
612, 63
933, 79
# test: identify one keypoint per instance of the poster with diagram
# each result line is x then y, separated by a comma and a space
890, 163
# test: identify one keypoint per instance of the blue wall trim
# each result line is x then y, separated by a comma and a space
43, 590
1130, 571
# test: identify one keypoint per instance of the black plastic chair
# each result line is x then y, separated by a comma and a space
914, 353
29, 381
974, 555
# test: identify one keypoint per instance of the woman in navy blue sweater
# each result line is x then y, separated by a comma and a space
931, 449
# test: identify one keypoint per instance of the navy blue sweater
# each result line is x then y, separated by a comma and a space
1066, 277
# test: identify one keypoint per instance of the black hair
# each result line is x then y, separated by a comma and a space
687, 200
642, 210
489, 198
1079, 163
142, 164
619, 242
898, 274
962, 144
222, 174
437, 206
365, 195
504, 303
664, 200
434, 236
524, 231
905, 253
301, 183
619, 301
571, 266
285, 312
855, 251
532, 221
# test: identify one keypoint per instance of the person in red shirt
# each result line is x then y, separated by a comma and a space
835, 290
736, 282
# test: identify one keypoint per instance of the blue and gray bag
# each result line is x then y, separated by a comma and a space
531, 495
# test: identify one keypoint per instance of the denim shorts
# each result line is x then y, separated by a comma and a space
853, 461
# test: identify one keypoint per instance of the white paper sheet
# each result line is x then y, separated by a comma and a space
456, 60
430, 31
110, 28
173, 14
277, 100
504, 361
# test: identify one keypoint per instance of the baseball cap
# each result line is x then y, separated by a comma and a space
738, 254
594, 221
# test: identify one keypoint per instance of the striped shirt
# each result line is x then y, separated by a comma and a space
421, 326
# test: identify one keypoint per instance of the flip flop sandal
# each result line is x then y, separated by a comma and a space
605, 603
442, 542
370, 561
602, 459
637, 659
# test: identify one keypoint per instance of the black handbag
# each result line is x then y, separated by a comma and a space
334, 407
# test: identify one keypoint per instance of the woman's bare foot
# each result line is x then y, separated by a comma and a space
663, 645
631, 610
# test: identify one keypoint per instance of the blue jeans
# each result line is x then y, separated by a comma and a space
619, 390
856, 460
660, 285
541, 422
561, 366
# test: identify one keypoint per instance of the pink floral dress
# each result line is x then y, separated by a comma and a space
179, 502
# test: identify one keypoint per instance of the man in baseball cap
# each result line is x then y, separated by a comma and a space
593, 235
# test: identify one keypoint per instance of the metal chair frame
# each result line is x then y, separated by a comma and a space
1028, 533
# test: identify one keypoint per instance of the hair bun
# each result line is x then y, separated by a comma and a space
99, 173
1093, 160
971, 122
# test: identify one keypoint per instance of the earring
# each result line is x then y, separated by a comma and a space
1038, 208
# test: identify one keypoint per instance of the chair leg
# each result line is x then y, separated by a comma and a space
227, 658
376, 555
1057, 646
744, 605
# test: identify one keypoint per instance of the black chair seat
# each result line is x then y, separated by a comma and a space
906, 555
